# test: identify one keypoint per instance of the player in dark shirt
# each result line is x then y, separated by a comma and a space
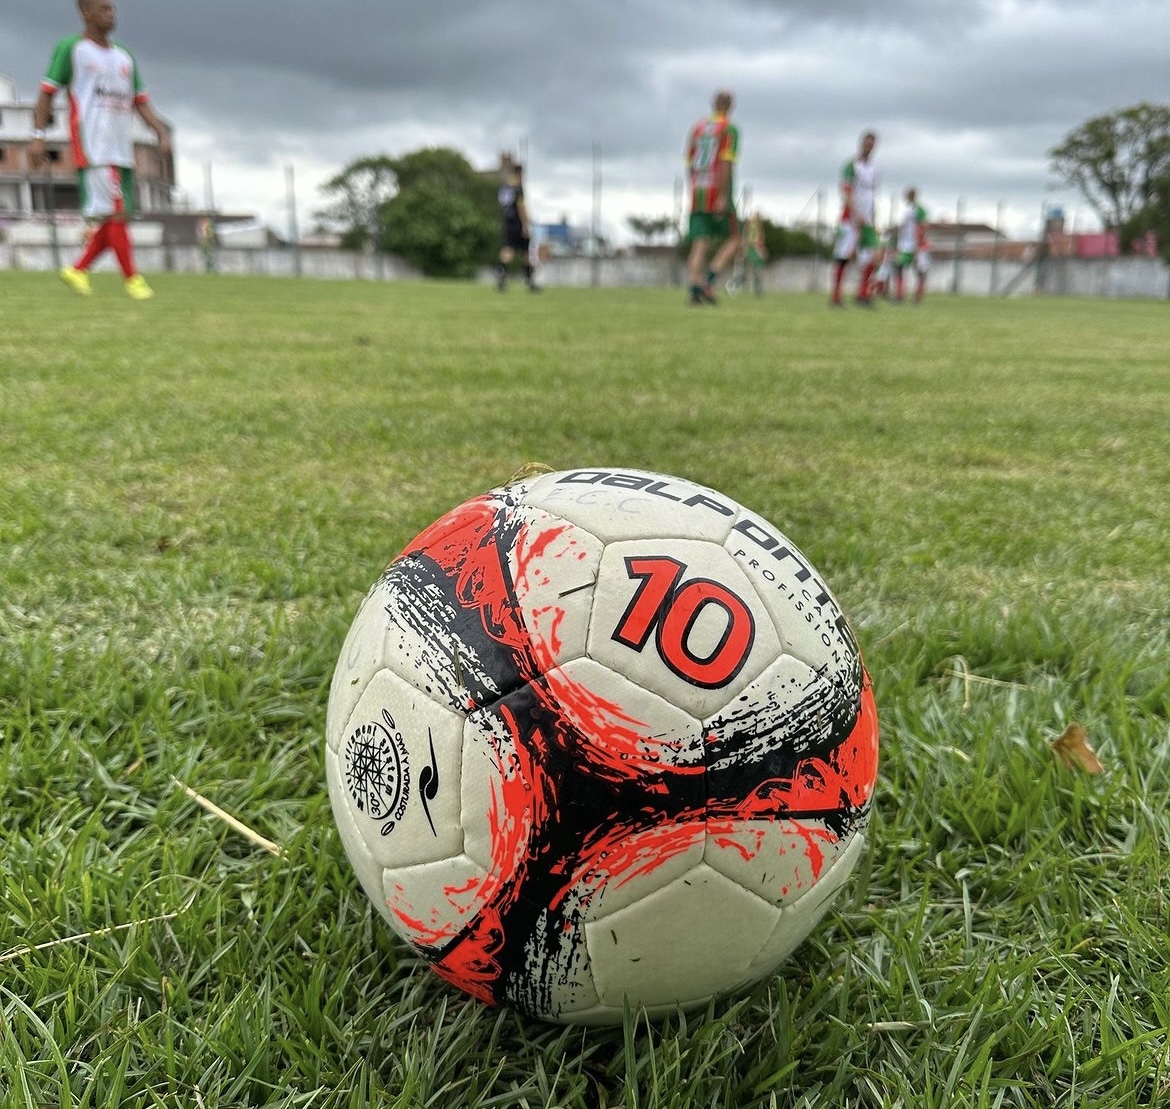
515, 232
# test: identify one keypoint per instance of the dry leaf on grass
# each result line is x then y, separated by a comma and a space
1075, 751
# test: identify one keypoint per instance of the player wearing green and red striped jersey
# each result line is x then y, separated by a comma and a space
105, 91
711, 151
857, 235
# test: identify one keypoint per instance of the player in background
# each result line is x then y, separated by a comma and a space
913, 249
711, 152
515, 230
922, 267
750, 258
105, 90
857, 235
882, 283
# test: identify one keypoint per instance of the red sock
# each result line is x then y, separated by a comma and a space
901, 284
98, 242
838, 277
866, 276
120, 244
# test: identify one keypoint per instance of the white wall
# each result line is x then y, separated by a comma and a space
28, 246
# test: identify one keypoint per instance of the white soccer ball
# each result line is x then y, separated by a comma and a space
598, 737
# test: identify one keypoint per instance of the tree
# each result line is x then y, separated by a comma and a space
430, 207
359, 191
781, 242
649, 228
1117, 161
444, 218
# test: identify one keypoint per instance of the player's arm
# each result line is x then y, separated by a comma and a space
155, 122
42, 113
847, 177
57, 76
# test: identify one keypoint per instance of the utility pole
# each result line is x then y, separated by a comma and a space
294, 234
595, 228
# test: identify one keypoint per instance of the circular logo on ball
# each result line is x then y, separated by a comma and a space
377, 772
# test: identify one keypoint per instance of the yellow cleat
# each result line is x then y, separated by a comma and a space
137, 288
77, 280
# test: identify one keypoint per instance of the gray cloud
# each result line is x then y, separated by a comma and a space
967, 99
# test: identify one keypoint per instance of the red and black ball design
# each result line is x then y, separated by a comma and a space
601, 737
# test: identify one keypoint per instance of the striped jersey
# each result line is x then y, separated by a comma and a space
103, 86
711, 143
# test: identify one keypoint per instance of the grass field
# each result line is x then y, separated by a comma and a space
195, 494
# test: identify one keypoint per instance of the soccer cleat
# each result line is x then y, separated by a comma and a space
77, 280
137, 288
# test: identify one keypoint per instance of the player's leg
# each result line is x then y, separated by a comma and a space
505, 260
529, 268
112, 195
532, 257
904, 259
728, 229
843, 248
696, 265
738, 271
922, 269
97, 208
700, 236
865, 258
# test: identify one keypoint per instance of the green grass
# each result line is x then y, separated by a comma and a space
196, 492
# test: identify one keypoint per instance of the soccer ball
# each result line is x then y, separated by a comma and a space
598, 738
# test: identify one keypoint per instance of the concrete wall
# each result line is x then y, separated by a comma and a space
28, 246
1100, 277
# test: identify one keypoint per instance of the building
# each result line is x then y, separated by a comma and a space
966, 240
26, 193
1093, 244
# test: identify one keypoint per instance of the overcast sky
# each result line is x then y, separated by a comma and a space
967, 97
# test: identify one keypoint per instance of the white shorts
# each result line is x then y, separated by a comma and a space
846, 242
922, 261
103, 191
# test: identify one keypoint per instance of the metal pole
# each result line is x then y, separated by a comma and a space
960, 215
293, 233
596, 225
51, 201
675, 276
816, 268
995, 248
208, 191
